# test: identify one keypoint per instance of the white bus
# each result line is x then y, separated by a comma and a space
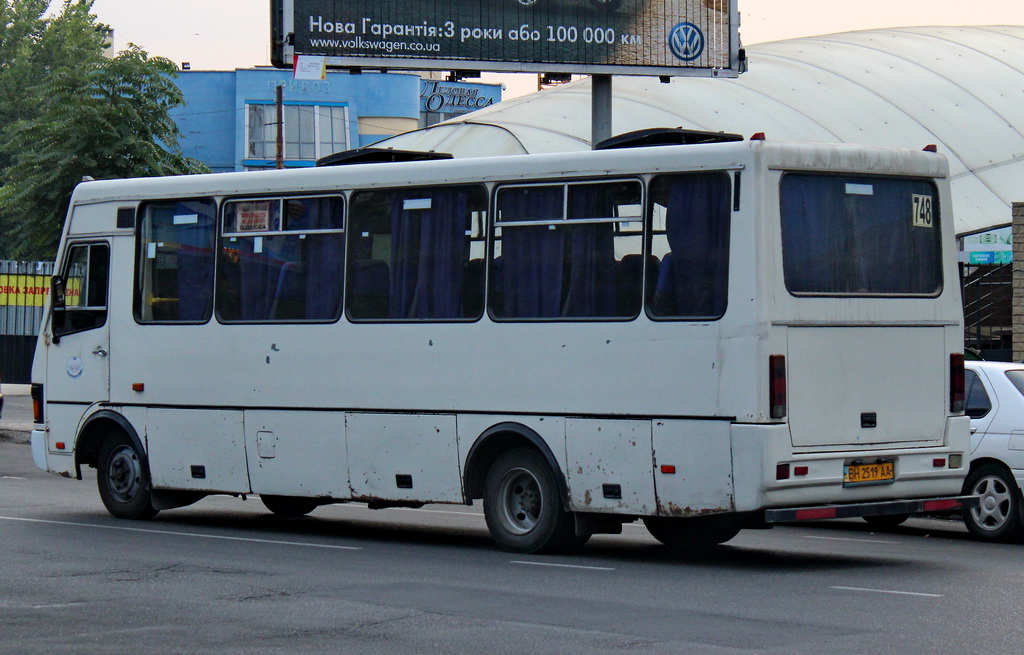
705, 337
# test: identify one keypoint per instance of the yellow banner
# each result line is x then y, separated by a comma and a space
33, 290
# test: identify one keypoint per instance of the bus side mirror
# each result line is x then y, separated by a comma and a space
57, 298
58, 301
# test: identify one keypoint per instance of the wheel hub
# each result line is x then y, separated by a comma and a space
124, 474
994, 509
521, 501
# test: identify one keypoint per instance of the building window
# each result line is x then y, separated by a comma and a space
310, 131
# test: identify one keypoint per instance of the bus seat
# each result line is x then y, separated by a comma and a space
663, 300
369, 288
473, 288
629, 274
496, 290
290, 295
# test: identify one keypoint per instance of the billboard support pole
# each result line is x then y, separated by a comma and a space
279, 104
600, 108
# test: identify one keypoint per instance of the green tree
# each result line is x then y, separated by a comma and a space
66, 111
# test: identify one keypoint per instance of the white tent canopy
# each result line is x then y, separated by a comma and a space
961, 88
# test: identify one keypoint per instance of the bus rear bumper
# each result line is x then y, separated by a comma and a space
846, 511
39, 449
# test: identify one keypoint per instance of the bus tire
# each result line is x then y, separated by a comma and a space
522, 506
998, 516
123, 479
290, 506
690, 535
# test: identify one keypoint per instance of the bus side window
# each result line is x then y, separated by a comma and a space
690, 216
84, 284
174, 262
410, 254
568, 251
281, 260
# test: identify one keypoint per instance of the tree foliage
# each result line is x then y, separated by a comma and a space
67, 111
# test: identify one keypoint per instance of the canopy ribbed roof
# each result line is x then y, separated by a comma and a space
961, 88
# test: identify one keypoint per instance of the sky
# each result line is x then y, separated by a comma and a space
229, 34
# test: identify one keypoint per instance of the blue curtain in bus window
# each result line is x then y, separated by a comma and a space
428, 243
814, 250
532, 259
260, 263
591, 256
693, 281
192, 226
322, 255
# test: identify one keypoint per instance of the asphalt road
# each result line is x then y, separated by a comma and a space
224, 576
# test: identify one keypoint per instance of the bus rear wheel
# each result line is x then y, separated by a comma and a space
522, 506
123, 479
690, 535
290, 506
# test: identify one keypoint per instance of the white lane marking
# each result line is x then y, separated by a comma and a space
564, 566
866, 541
11, 477
183, 534
888, 591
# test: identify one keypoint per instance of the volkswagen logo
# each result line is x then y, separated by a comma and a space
686, 41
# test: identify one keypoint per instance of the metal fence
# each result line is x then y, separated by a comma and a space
24, 287
988, 318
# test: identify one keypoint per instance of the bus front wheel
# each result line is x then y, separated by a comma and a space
522, 506
123, 479
690, 535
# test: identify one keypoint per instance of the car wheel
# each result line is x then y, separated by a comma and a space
886, 520
997, 518
123, 479
523, 508
690, 535
290, 506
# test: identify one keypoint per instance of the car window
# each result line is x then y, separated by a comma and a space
978, 402
1017, 378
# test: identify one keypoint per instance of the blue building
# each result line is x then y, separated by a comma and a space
229, 121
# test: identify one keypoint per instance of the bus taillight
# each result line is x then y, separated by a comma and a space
37, 403
777, 385
956, 383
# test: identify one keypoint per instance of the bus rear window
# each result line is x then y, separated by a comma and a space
860, 236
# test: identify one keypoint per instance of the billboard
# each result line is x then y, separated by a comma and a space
622, 37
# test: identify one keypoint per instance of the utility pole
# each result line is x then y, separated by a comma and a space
280, 126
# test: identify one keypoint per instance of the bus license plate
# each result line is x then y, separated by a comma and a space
877, 473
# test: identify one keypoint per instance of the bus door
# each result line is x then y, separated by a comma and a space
78, 364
